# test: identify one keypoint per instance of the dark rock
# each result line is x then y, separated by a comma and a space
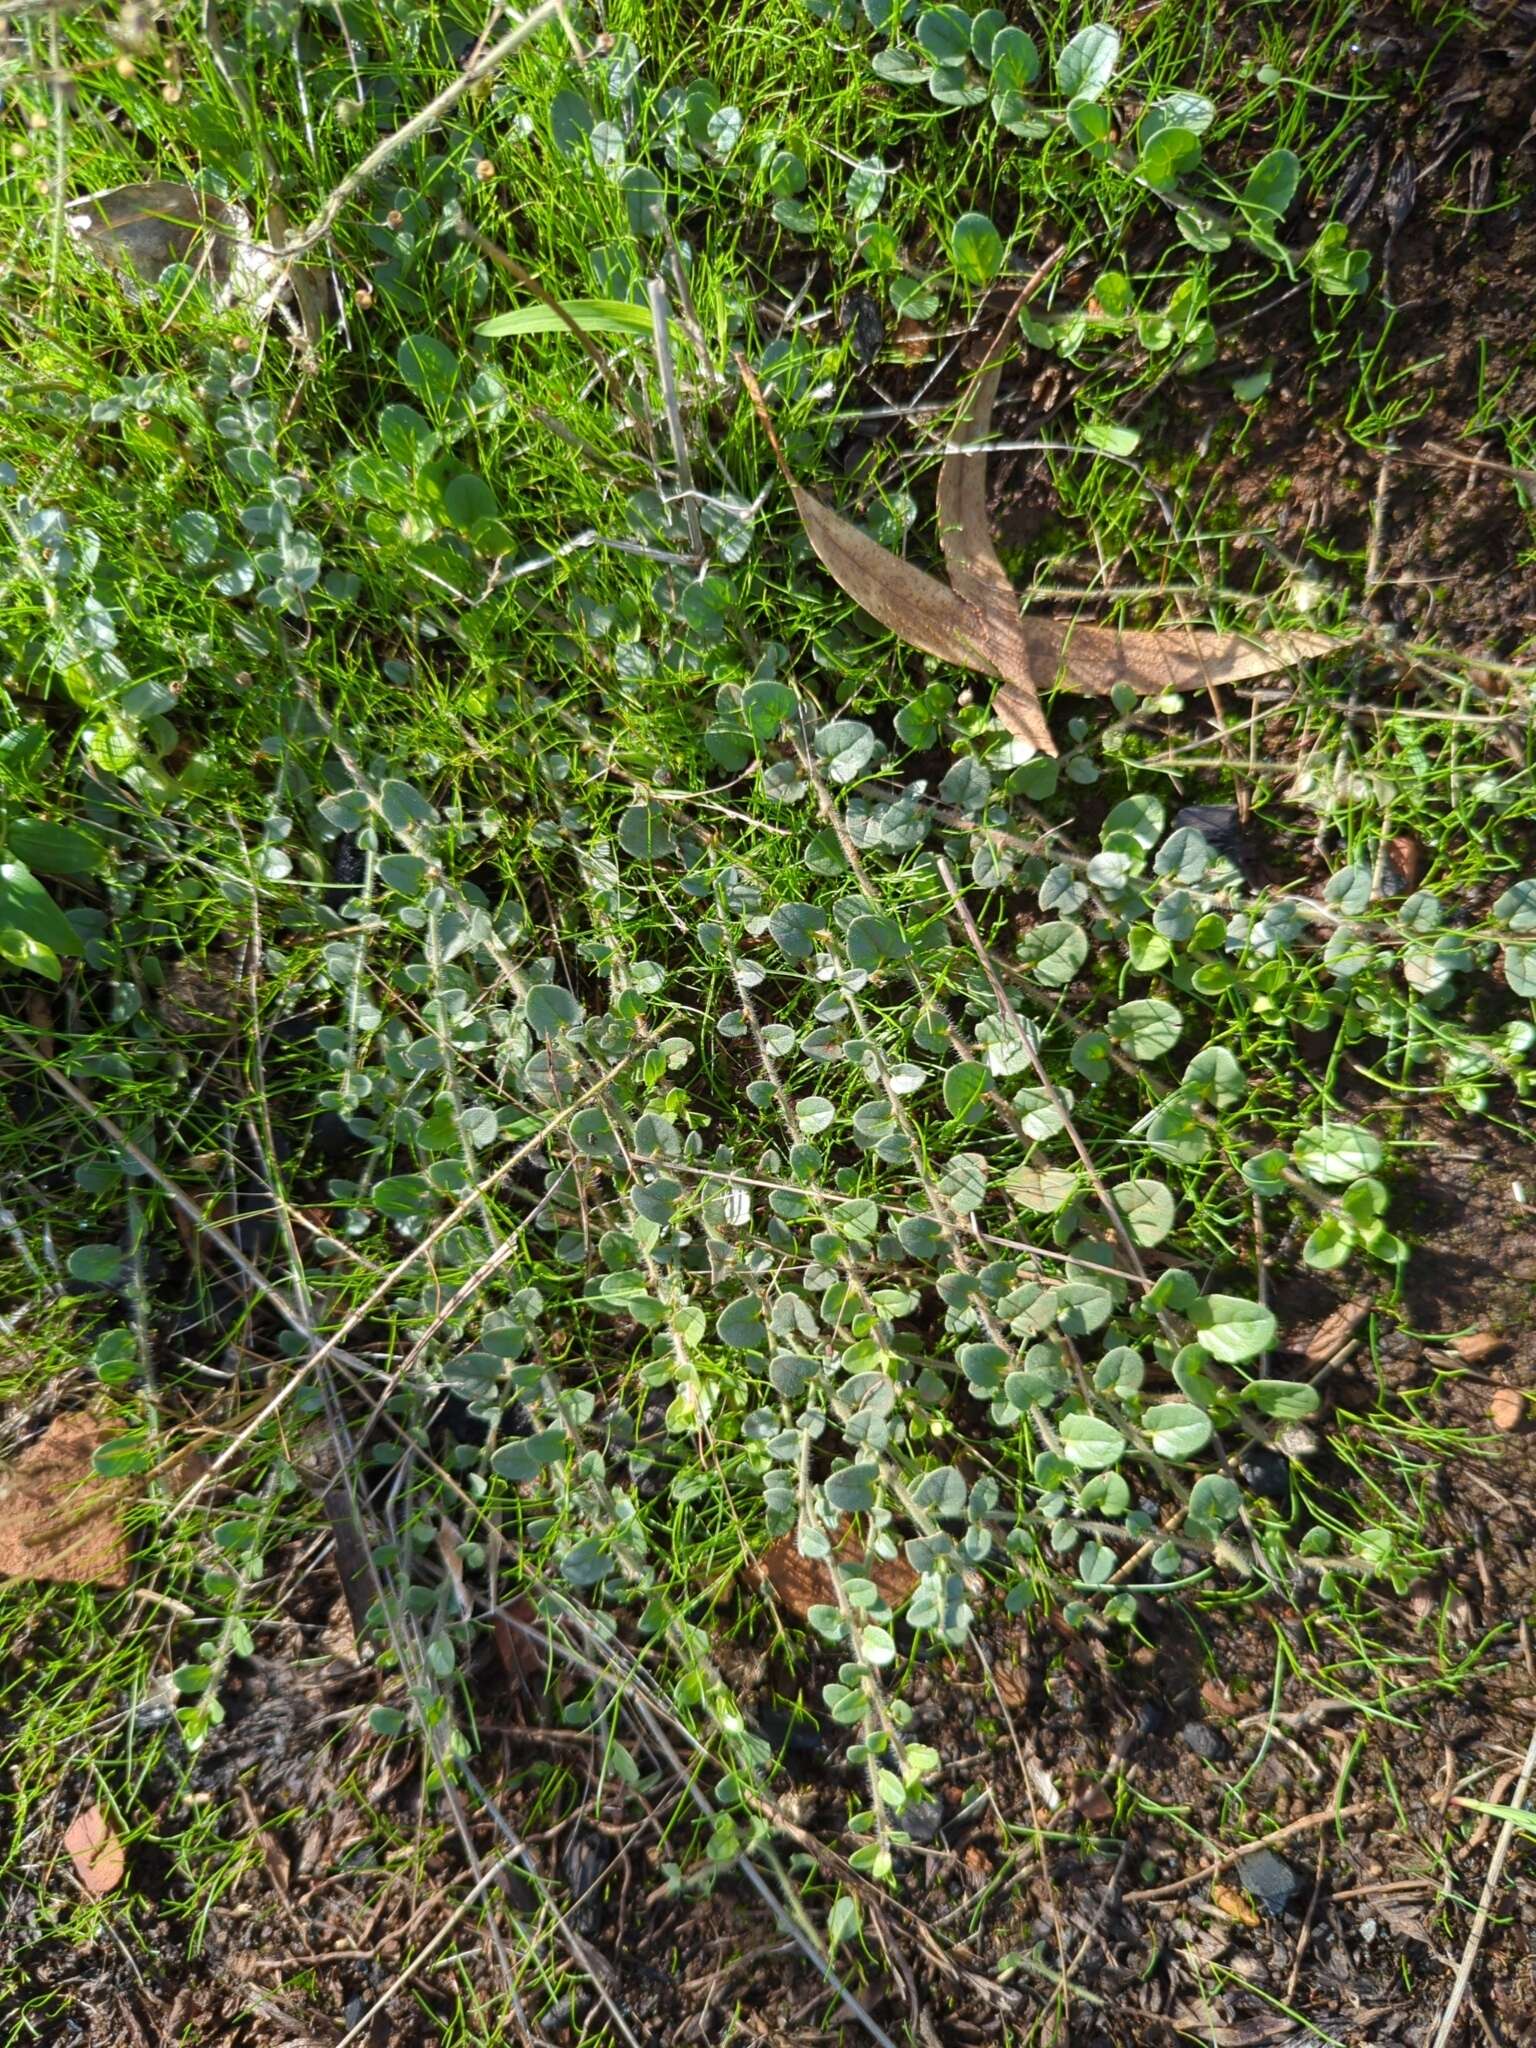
1220, 828
1268, 1880
1266, 1473
859, 320
922, 1821
794, 1732
1205, 1742
584, 1863
1151, 1717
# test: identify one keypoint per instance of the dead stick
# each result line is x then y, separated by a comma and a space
418, 124
1485, 1904
1225, 1861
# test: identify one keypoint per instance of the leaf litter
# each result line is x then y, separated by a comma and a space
94, 1849
60, 1521
975, 620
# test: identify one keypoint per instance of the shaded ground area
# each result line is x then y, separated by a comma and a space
1417, 480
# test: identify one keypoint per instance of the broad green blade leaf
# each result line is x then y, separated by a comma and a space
26, 906
592, 316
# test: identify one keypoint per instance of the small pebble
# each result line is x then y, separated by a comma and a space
1479, 1347
1266, 1473
1205, 1742
1268, 1880
1151, 1717
1218, 825
922, 1821
1506, 1411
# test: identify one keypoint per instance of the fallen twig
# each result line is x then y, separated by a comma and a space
1226, 1860
1480, 1918
432, 112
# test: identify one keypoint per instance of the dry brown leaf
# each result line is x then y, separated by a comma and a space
95, 1851
1092, 1801
802, 1583
917, 607
58, 1521
1406, 860
1219, 1700
138, 230
144, 228
1228, 1899
1032, 653
975, 621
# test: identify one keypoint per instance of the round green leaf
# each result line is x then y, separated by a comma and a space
430, 368
964, 1088
645, 833
95, 1265
739, 1325
963, 1182
1337, 1153
1147, 1029
1177, 1430
945, 33
814, 1113
872, 941
551, 1009
1520, 971
1087, 63
1044, 1189
977, 248
793, 928
1283, 1400
1015, 61
1265, 1174
1166, 156
1231, 1328
1272, 184
1053, 953
644, 200
1142, 817
1517, 907
1148, 1209
1215, 1076
1090, 1443
1090, 123
1214, 1499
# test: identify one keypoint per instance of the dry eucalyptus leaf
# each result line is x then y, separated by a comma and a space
145, 228
1334, 1332
59, 1522
975, 621
924, 612
95, 1851
1032, 653
1227, 1899
929, 615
